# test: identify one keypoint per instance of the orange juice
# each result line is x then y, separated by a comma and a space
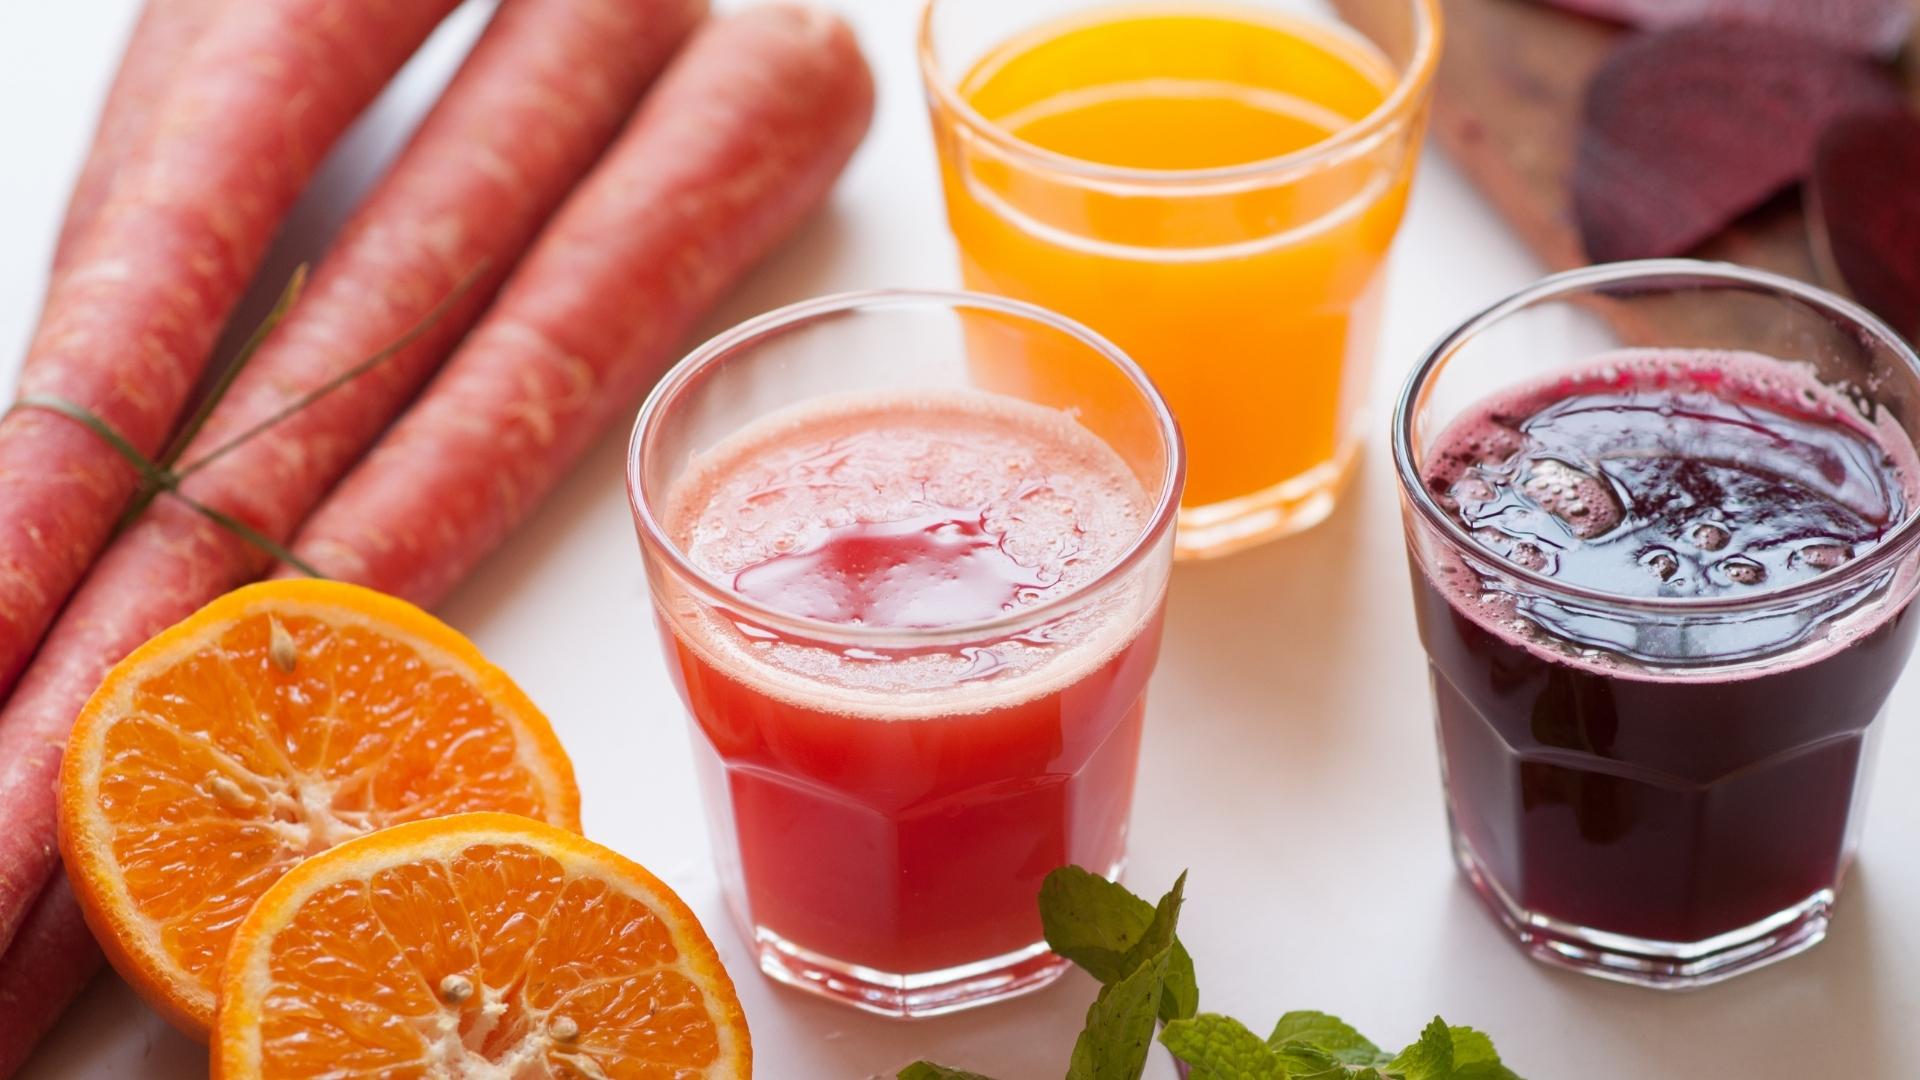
1215, 189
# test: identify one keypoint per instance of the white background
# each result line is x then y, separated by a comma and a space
1288, 762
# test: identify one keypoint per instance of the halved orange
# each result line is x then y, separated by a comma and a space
274, 723
477, 945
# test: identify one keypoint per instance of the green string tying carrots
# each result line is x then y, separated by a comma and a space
162, 475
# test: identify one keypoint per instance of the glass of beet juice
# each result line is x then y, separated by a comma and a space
908, 555
1661, 523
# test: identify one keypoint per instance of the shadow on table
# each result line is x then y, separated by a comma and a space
1031, 1037
75, 1046
1822, 1013
1305, 641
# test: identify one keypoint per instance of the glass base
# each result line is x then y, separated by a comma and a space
1660, 965
1291, 506
908, 997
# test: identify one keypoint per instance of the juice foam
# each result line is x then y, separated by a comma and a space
1671, 474
911, 512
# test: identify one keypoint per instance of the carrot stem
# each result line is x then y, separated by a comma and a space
157, 478
288, 297
160, 476
414, 334
251, 535
150, 474
149, 487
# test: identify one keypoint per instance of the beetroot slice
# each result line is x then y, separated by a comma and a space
1685, 130
1866, 200
1873, 27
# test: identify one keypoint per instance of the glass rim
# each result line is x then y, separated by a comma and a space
1897, 544
686, 373
1412, 83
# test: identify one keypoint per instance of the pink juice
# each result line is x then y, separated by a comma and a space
897, 811
1593, 782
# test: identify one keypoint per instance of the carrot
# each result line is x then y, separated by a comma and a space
161, 38
740, 141
51, 961
131, 318
544, 92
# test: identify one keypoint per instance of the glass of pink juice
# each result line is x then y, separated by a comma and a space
908, 555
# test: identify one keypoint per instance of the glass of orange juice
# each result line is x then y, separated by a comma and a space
1213, 186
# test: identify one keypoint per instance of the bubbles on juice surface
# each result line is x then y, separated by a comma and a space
1583, 503
1671, 474
1016, 501
911, 512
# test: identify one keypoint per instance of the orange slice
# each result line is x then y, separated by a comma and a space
478, 945
271, 725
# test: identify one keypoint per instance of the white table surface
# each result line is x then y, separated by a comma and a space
1288, 762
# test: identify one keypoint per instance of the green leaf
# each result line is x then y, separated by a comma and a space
1133, 949
1159, 932
1180, 997
1221, 1048
1108, 932
1329, 1033
1092, 921
1474, 1057
927, 1070
1119, 1030
1429, 1059
1180, 993
1304, 1062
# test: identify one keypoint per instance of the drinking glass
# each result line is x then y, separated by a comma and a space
1248, 287
886, 850
1665, 790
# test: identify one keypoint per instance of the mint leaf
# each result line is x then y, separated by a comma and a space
1109, 932
1329, 1033
1429, 1059
1180, 993
1474, 1057
1119, 1031
1221, 1048
1305, 1062
1159, 932
1133, 949
927, 1070
1471, 1047
1180, 998
1092, 921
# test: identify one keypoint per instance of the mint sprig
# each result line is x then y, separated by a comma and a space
1109, 932
1328, 1033
1119, 1031
1145, 974
1222, 1048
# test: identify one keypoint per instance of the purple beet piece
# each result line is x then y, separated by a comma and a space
1873, 27
1685, 130
1865, 196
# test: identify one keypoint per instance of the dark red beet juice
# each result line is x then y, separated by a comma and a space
1617, 808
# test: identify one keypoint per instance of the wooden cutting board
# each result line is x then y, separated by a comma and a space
1507, 111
